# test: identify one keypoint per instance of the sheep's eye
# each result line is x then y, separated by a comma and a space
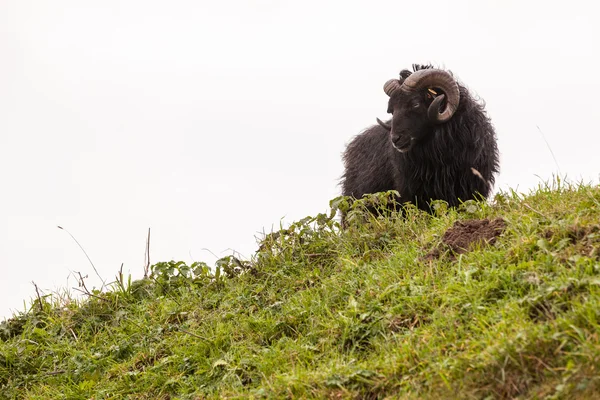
416, 104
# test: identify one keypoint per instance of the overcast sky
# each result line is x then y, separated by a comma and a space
212, 121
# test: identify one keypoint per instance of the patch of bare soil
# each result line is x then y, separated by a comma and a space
464, 235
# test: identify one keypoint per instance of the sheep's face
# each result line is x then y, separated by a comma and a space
418, 102
410, 121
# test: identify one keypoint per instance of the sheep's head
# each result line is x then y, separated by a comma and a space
418, 102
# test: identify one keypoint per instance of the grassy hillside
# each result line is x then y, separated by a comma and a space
497, 300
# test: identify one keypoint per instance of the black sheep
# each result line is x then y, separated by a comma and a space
438, 145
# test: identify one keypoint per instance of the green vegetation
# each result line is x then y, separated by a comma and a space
383, 309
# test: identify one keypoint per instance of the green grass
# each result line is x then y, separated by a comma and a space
358, 314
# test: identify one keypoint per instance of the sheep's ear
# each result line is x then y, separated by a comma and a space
431, 94
384, 125
404, 74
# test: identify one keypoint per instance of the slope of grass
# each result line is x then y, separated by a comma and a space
319, 313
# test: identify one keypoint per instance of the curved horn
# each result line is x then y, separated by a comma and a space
429, 78
391, 86
433, 112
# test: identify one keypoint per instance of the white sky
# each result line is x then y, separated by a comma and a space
211, 121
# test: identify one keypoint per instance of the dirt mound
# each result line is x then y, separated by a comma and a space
463, 235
